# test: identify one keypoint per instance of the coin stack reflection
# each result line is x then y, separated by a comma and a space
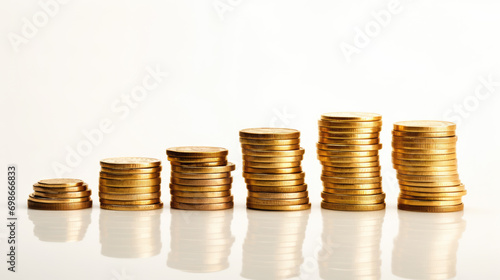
351, 245
130, 184
273, 246
201, 241
424, 156
272, 169
130, 234
426, 245
348, 151
200, 178
60, 194
60, 226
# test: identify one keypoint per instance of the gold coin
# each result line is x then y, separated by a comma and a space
175, 187
254, 164
428, 157
348, 159
449, 183
353, 199
415, 178
274, 177
423, 134
429, 173
425, 151
134, 190
205, 182
128, 171
374, 147
42, 188
352, 207
344, 135
353, 191
132, 207
200, 175
202, 207
59, 206
291, 153
61, 182
332, 153
270, 147
129, 197
274, 183
351, 170
63, 194
351, 180
130, 162
425, 168
39, 199
445, 189
351, 116
279, 207
333, 141
202, 200
270, 195
129, 183
200, 164
279, 189
200, 194
271, 159
351, 164
434, 195
269, 133
130, 202
352, 186
327, 123
426, 146
272, 170
425, 126
128, 176
196, 159
260, 142
350, 130
213, 169
197, 151
429, 202
425, 140
351, 175
452, 162
293, 201
403, 195
435, 209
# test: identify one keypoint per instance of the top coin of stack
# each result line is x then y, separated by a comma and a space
424, 156
130, 184
201, 178
272, 169
60, 194
348, 150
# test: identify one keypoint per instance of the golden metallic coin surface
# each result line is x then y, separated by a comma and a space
290, 153
431, 209
184, 188
274, 177
427, 157
279, 189
263, 142
197, 159
351, 116
140, 196
212, 169
423, 134
272, 170
452, 162
429, 202
43, 188
425, 151
344, 135
270, 159
130, 202
333, 141
354, 148
274, 183
416, 178
425, 168
279, 207
200, 194
360, 181
347, 124
348, 159
424, 140
352, 186
404, 195
129, 183
291, 201
425, 146
425, 126
63, 194
200, 164
202, 200
130, 162
254, 164
128, 171
269, 133
331, 153
270, 147
352, 207
202, 207
134, 190
132, 207
432, 195
449, 183
197, 151
429, 173
351, 164
59, 206
61, 182
353, 199
351, 175
128, 176
270, 195
446, 189
349, 130
353, 191
351, 170
40, 199
200, 175
201, 182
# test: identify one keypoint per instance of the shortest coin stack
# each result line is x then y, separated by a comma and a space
200, 178
424, 156
130, 184
60, 194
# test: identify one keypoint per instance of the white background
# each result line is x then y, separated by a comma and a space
255, 63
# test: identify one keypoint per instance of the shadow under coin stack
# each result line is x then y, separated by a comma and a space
348, 150
424, 156
130, 184
200, 178
60, 194
272, 169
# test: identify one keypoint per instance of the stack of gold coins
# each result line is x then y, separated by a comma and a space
130, 184
348, 150
424, 156
272, 169
200, 178
60, 194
